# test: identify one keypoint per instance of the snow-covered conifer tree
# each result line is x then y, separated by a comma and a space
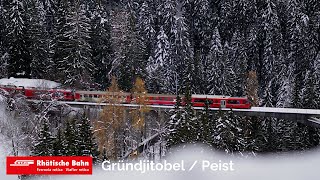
75, 62
71, 138
40, 42
59, 144
44, 144
17, 41
271, 56
87, 145
158, 64
100, 42
212, 65
228, 133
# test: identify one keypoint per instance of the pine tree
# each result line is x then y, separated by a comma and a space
307, 94
206, 119
203, 19
158, 64
252, 48
40, 42
228, 134
271, 55
75, 61
3, 50
71, 138
58, 144
19, 56
44, 144
100, 41
58, 44
298, 51
285, 92
146, 23
171, 135
246, 14
316, 76
131, 60
182, 55
167, 11
212, 68
227, 19
184, 126
229, 82
87, 145
238, 62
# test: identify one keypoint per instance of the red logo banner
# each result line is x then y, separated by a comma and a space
49, 165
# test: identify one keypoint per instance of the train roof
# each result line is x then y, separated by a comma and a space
161, 95
101, 92
215, 96
208, 96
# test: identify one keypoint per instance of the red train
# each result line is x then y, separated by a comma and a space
101, 96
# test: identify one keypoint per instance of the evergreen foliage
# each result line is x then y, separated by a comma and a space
59, 144
44, 144
71, 138
184, 124
87, 144
267, 50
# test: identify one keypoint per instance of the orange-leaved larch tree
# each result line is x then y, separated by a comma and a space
140, 97
110, 122
252, 88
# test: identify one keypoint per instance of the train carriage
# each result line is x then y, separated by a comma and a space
122, 97
102, 96
158, 99
221, 101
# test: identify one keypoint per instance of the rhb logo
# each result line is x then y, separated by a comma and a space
30, 165
22, 163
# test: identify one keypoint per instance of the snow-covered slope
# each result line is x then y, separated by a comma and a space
4, 151
38, 83
5, 148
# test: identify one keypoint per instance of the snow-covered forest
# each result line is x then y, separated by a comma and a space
268, 50
212, 45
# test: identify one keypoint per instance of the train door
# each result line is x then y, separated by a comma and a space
223, 103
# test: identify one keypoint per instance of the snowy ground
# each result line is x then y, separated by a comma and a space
286, 167
290, 166
37, 83
5, 150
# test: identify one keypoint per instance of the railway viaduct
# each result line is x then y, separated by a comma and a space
310, 117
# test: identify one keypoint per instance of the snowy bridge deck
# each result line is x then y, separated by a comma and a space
305, 116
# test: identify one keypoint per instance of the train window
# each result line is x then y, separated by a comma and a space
86, 95
95, 96
200, 100
233, 101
